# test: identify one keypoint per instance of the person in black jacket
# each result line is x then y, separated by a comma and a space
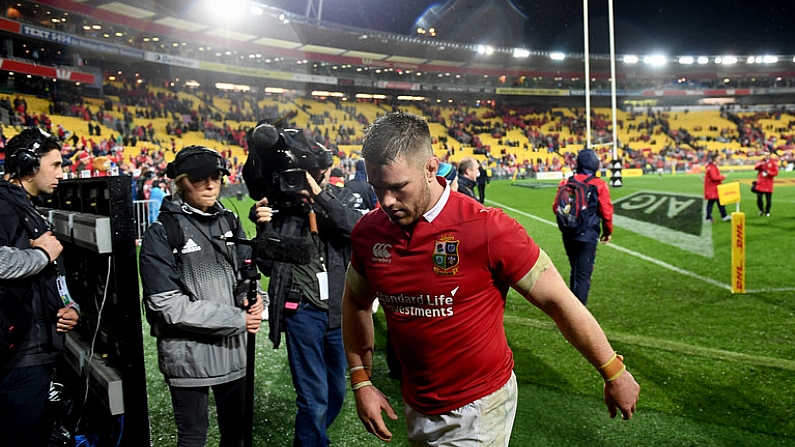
358, 184
467, 176
33, 314
306, 300
483, 180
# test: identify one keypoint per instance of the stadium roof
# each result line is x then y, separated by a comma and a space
258, 25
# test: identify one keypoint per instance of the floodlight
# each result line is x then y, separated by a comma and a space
728, 60
226, 9
750, 60
557, 56
654, 60
703, 60
630, 59
520, 53
770, 59
686, 60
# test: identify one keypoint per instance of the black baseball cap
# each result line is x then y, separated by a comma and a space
197, 162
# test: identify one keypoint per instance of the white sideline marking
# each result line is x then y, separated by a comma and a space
650, 259
672, 346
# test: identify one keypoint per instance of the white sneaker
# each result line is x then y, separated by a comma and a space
767, 214
727, 218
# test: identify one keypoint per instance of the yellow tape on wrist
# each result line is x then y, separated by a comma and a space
359, 374
613, 368
361, 385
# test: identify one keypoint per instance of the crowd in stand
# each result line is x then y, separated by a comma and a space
543, 130
543, 127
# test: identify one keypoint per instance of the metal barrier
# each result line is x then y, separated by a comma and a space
144, 216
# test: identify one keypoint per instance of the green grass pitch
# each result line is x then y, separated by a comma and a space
715, 368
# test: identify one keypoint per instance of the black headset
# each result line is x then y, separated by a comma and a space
190, 151
23, 162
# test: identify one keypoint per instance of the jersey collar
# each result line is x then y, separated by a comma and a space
434, 212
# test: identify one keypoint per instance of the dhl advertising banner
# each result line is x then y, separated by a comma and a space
738, 252
729, 193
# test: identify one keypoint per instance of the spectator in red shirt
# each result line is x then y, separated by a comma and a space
712, 179
767, 169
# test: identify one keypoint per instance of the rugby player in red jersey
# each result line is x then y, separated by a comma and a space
440, 263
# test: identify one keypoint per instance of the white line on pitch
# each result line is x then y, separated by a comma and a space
629, 252
668, 345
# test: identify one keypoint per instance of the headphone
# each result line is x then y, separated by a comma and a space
23, 162
192, 151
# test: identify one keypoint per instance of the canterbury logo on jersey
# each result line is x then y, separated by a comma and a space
190, 247
382, 252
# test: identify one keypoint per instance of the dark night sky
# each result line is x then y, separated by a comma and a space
675, 27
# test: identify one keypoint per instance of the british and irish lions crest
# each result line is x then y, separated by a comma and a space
445, 256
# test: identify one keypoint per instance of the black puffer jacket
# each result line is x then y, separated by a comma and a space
27, 280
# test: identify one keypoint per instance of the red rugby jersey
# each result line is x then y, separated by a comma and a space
442, 285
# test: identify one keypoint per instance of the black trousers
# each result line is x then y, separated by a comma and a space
768, 197
711, 204
582, 257
190, 413
23, 400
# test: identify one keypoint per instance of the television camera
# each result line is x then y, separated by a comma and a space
277, 164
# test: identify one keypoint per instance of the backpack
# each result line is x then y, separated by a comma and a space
577, 205
174, 230
175, 236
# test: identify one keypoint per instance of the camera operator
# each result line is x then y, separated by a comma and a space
306, 298
191, 292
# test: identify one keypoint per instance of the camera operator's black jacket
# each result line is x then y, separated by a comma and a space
337, 212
